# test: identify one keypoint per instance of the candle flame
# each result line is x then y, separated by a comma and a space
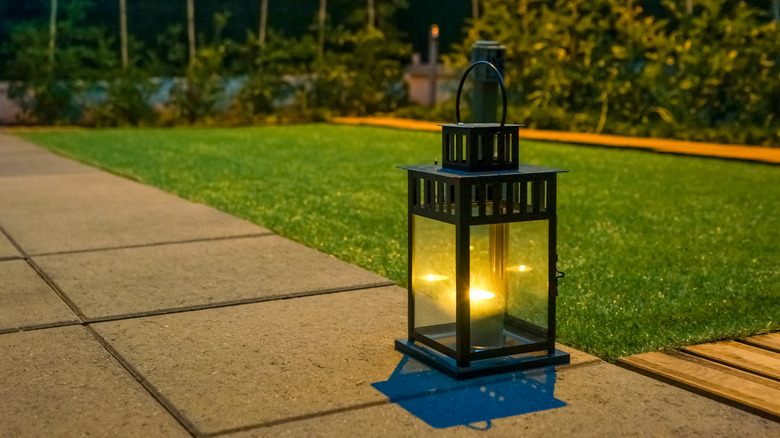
479, 294
432, 277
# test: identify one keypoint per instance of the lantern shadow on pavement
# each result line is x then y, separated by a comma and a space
442, 402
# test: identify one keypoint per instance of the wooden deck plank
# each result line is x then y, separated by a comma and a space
770, 341
742, 356
740, 387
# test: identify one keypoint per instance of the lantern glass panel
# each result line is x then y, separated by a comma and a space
527, 272
508, 281
487, 285
433, 276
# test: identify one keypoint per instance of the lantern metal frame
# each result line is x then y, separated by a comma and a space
480, 182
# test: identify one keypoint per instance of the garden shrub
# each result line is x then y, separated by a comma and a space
54, 92
604, 66
264, 85
127, 101
195, 96
607, 66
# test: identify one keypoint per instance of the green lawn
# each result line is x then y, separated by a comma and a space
659, 250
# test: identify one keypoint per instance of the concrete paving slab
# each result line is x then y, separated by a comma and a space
601, 400
7, 249
11, 145
48, 214
251, 364
132, 281
61, 382
26, 300
238, 367
29, 164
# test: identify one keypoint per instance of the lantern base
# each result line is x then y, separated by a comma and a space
483, 367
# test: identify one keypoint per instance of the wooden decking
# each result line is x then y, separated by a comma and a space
743, 373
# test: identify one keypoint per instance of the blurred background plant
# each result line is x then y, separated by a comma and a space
50, 78
195, 96
631, 67
610, 66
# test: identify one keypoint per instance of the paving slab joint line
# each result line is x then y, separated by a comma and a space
153, 244
86, 321
34, 327
576, 366
558, 369
166, 404
297, 418
13, 242
73, 307
239, 302
60, 293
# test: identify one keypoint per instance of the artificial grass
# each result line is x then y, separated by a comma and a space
659, 251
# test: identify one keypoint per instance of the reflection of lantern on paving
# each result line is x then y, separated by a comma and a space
482, 239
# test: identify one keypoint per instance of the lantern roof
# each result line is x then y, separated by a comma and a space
522, 169
476, 125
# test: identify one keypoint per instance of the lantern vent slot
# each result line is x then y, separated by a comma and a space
494, 199
427, 194
514, 197
536, 196
464, 149
414, 191
434, 195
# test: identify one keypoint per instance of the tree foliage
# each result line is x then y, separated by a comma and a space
52, 91
606, 66
360, 70
585, 65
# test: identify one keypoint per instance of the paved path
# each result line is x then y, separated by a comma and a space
732, 152
126, 311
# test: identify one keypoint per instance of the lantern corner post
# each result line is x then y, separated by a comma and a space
552, 273
462, 270
412, 199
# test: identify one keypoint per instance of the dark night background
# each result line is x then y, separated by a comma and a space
148, 18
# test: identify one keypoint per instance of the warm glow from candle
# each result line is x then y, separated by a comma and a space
521, 268
432, 277
487, 319
478, 294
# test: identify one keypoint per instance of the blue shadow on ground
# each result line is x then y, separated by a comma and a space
444, 402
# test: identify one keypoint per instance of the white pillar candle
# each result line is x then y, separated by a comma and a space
487, 319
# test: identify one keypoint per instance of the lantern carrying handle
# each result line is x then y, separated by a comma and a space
500, 83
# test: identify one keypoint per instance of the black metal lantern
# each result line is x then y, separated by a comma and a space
482, 254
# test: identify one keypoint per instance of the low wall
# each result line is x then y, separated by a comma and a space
12, 113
